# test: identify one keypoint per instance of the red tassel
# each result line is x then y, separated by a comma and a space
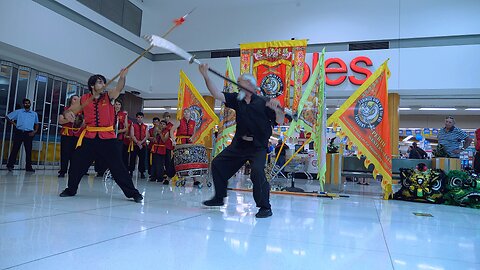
179, 21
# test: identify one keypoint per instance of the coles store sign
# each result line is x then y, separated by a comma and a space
341, 69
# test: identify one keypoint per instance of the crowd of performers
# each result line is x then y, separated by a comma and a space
152, 147
96, 129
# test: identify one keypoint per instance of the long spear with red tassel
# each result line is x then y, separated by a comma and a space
177, 22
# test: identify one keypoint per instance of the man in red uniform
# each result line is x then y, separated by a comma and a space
127, 145
121, 128
68, 139
152, 136
185, 128
139, 135
160, 136
169, 145
98, 139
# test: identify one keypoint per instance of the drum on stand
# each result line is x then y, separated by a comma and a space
190, 160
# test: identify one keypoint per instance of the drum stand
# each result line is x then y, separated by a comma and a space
292, 188
183, 175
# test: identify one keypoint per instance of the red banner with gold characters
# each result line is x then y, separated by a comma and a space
363, 118
272, 64
204, 117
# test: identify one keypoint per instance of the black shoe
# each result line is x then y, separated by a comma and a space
65, 193
166, 182
9, 169
213, 202
61, 175
30, 170
264, 213
138, 198
142, 175
152, 180
196, 183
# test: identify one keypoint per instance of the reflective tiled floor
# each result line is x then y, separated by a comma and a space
101, 229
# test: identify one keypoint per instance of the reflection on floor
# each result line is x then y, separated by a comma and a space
101, 229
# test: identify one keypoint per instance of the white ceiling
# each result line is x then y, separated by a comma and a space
199, 34
204, 31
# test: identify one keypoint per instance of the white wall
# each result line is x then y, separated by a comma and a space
213, 26
414, 71
438, 121
37, 30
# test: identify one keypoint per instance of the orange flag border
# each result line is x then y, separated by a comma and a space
334, 120
275, 43
185, 81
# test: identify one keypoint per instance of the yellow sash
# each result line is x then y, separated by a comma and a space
130, 146
66, 129
93, 129
180, 137
151, 151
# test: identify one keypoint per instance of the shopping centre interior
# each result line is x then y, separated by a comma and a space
48, 50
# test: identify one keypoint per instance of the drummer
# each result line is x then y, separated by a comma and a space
169, 145
160, 135
186, 128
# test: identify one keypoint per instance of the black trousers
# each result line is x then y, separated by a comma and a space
158, 162
109, 152
20, 137
100, 166
67, 146
169, 166
476, 162
141, 153
231, 159
125, 155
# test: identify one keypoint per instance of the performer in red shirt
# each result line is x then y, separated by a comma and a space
98, 139
139, 135
68, 139
169, 145
127, 144
121, 128
159, 139
185, 128
151, 142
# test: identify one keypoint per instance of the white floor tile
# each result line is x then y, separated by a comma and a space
100, 228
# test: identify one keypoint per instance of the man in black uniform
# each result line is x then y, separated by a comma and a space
255, 118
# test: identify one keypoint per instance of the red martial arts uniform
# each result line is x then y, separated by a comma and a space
98, 141
185, 131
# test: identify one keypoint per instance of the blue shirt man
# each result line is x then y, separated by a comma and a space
26, 126
452, 137
26, 119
